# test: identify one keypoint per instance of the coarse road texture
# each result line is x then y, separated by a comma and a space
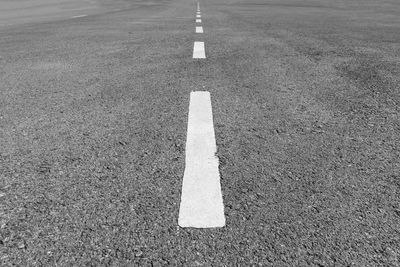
306, 110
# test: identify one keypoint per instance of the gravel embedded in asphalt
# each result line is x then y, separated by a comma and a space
93, 120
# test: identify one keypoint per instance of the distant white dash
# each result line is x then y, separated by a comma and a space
198, 50
199, 29
198, 20
198, 16
201, 199
79, 16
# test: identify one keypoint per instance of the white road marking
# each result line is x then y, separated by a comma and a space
79, 16
198, 6
199, 29
198, 20
198, 50
198, 16
201, 199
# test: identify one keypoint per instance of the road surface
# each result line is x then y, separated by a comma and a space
94, 103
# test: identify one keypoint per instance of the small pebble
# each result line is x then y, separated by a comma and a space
138, 253
21, 245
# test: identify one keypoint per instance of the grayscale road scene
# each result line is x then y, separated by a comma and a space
199, 133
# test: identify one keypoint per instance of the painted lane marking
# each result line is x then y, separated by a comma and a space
198, 50
198, 20
199, 29
201, 200
79, 16
198, 16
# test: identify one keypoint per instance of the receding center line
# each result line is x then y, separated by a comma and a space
201, 199
199, 29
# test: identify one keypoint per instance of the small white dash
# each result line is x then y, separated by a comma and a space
199, 29
201, 199
198, 50
198, 20
198, 16
79, 16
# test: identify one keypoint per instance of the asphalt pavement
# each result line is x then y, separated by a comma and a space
305, 102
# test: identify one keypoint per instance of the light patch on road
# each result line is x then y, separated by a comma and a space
199, 29
198, 20
79, 16
198, 50
201, 200
198, 16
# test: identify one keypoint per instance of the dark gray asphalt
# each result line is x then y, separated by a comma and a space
305, 95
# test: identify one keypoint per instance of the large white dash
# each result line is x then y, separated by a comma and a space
198, 20
201, 200
198, 50
199, 29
